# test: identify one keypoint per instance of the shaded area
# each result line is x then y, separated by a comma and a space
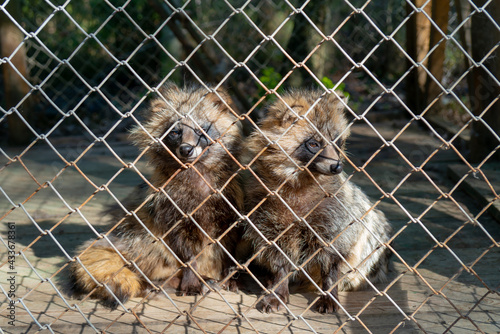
436, 245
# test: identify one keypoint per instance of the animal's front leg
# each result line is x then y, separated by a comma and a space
330, 274
190, 283
270, 303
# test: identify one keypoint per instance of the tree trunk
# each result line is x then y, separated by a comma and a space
15, 88
440, 10
417, 45
305, 38
298, 49
485, 92
422, 36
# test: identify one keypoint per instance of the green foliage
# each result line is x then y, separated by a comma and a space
330, 85
327, 82
269, 78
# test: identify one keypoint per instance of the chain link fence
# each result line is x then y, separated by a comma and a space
422, 89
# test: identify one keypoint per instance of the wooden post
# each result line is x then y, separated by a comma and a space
485, 92
15, 88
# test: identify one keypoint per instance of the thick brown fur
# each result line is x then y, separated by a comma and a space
187, 135
309, 179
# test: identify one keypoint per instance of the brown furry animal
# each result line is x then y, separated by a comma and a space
188, 133
307, 185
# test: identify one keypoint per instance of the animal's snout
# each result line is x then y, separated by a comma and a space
186, 150
336, 168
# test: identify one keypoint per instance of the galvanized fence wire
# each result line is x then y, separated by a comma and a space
127, 112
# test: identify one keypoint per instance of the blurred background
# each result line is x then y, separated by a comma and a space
79, 68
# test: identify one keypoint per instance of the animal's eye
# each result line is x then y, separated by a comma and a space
200, 133
174, 133
313, 145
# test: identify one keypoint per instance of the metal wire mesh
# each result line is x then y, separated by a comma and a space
92, 67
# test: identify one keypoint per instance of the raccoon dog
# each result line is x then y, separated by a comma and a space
307, 185
188, 134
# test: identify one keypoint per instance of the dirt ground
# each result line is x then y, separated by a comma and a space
445, 271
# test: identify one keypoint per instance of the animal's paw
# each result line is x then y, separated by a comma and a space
190, 288
269, 304
194, 287
190, 291
231, 285
325, 304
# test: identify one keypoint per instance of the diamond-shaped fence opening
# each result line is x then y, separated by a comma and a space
250, 166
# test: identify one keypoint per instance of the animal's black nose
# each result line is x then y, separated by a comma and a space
336, 168
185, 150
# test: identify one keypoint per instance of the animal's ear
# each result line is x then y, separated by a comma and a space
284, 113
221, 100
168, 92
168, 89
340, 101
